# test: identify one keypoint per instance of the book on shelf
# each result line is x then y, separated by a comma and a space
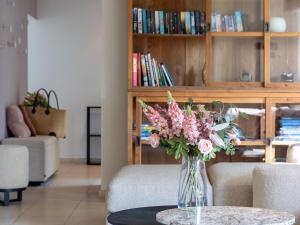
289, 128
238, 22
148, 72
166, 22
146, 131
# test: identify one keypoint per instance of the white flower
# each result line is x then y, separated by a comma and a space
215, 138
205, 146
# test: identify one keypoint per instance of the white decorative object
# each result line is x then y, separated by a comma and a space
277, 24
293, 154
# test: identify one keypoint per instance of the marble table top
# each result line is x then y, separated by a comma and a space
224, 216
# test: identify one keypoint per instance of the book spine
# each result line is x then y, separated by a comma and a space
167, 76
172, 23
157, 22
198, 22
140, 21
234, 24
148, 71
144, 71
151, 70
202, 23
230, 24
245, 22
182, 22
167, 22
139, 72
161, 22
134, 69
238, 20
155, 72
144, 20
162, 75
193, 23
148, 18
176, 22
223, 23
135, 20
219, 23
188, 22
232, 29
170, 75
153, 30
159, 75
213, 23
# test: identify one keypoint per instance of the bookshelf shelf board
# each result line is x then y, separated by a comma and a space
285, 34
237, 34
236, 84
169, 36
253, 143
283, 85
284, 143
243, 143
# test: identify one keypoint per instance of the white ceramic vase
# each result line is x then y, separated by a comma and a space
278, 24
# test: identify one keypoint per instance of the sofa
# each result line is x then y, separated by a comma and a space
43, 156
272, 186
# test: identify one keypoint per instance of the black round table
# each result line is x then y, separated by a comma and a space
139, 216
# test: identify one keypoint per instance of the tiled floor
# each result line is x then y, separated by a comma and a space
71, 197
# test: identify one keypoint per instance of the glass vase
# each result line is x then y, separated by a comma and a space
192, 183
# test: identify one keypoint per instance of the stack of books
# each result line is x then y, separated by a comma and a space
289, 129
146, 131
161, 22
238, 22
148, 72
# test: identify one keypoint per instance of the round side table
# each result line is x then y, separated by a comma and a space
224, 216
139, 216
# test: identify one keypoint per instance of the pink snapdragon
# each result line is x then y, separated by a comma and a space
190, 129
159, 122
176, 115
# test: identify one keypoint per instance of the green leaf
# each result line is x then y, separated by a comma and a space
244, 115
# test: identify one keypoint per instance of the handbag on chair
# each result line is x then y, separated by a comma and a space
48, 121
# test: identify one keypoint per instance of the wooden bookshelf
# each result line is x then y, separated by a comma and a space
237, 34
208, 67
198, 36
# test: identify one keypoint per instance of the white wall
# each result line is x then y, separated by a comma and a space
65, 55
13, 61
114, 95
79, 48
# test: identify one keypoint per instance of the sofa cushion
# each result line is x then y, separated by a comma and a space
32, 142
13, 167
15, 122
232, 183
145, 185
277, 187
28, 121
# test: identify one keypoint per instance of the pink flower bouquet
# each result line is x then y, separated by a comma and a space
191, 131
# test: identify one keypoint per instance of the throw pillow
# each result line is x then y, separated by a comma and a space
15, 122
27, 120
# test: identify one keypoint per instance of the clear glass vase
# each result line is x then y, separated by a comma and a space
192, 183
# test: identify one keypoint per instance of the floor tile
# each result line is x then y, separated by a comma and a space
70, 197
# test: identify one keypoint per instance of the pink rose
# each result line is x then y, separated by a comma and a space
205, 146
154, 140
